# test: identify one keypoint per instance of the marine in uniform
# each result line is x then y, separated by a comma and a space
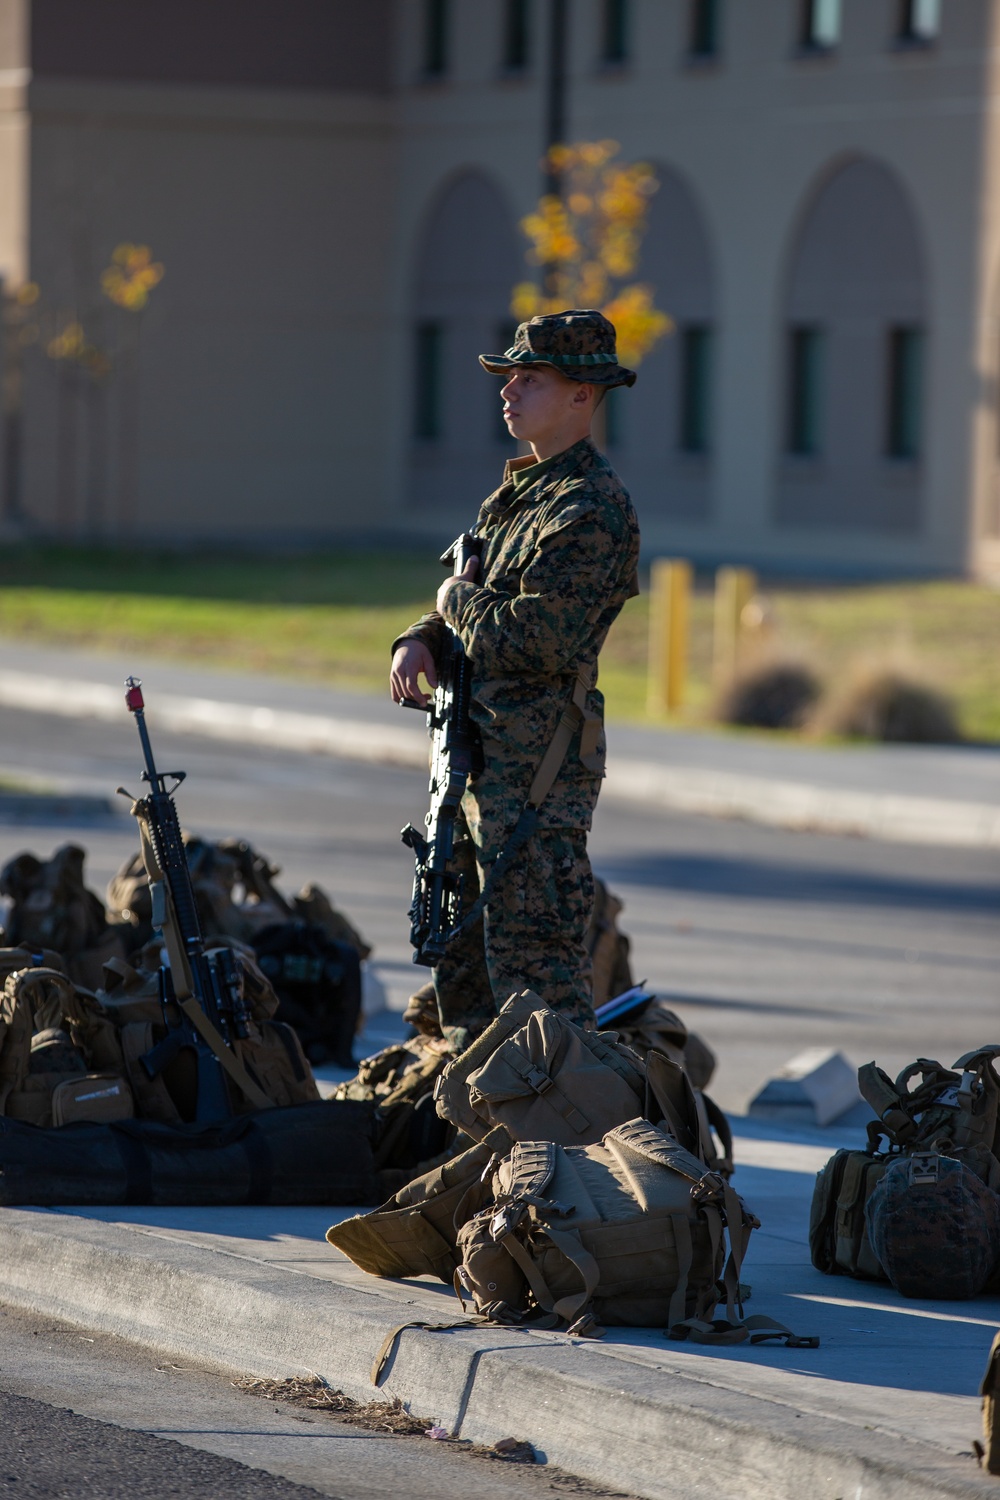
560, 553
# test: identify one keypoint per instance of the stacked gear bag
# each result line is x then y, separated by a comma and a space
309, 951
596, 1191
922, 1211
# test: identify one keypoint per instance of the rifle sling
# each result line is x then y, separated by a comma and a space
573, 715
213, 1039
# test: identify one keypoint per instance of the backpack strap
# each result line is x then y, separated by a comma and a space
878, 1090
546, 1088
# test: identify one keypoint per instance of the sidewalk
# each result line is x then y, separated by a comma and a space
910, 794
885, 1408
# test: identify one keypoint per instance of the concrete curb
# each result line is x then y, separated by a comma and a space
760, 799
657, 1434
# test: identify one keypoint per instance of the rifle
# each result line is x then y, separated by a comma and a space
205, 990
456, 753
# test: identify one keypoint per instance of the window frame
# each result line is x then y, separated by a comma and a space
704, 32
435, 41
811, 42
905, 372
695, 383
428, 387
912, 35
806, 358
516, 24
615, 35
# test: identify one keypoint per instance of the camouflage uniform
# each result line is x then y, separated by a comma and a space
559, 561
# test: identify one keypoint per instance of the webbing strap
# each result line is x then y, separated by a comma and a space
391, 1339
546, 1088
685, 1256
226, 1056
575, 713
758, 1330
573, 1249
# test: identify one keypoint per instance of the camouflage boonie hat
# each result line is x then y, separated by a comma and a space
579, 343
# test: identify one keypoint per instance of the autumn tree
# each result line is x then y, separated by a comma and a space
586, 241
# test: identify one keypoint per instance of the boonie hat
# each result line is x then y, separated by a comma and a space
579, 343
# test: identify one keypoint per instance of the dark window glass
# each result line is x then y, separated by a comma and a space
614, 417
614, 39
427, 404
516, 34
504, 337
821, 24
705, 27
905, 392
435, 38
805, 394
919, 20
694, 427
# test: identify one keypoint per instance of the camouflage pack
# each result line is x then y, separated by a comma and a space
920, 1206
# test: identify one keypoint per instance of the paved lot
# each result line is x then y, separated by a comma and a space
767, 941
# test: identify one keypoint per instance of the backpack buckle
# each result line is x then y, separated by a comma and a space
924, 1166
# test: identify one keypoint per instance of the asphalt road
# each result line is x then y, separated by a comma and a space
766, 941
96, 1417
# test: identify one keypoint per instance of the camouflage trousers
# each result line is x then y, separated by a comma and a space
533, 935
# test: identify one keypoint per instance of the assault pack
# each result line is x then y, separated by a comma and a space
919, 1207
597, 1190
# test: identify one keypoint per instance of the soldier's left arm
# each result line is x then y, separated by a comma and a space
576, 569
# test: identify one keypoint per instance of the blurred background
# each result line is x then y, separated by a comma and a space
251, 250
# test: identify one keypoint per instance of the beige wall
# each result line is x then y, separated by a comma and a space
306, 229
262, 353
755, 134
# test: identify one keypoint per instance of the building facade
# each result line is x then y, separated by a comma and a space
334, 192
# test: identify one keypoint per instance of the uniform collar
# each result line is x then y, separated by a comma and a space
563, 465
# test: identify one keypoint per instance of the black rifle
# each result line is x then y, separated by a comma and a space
456, 754
202, 995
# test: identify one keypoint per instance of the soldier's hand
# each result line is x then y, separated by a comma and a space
411, 661
467, 575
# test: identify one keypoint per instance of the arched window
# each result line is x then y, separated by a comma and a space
853, 358
468, 258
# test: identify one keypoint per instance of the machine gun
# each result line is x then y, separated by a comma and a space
205, 990
456, 753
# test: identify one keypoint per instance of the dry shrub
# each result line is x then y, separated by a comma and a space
770, 695
888, 703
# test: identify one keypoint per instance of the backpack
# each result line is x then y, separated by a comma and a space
318, 983
59, 1058
923, 1212
655, 1025
542, 1077
629, 1230
838, 1235
53, 908
400, 1080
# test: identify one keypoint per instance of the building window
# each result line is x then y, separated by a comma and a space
694, 427
806, 354
706, 28
427, 388
904, 392
504, 338
614, 427
516, 35
919, 21
435, 40
821, 23
614, 32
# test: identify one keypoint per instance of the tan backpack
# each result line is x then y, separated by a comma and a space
544, 1078
53, 908
60, 1059
609, 948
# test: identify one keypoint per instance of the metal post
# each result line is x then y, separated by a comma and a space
669, 613
734, 588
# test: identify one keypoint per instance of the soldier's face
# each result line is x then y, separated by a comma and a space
537, 400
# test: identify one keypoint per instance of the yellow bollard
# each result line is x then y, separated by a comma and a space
734, 588
669, 609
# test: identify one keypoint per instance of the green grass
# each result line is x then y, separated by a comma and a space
330, 618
